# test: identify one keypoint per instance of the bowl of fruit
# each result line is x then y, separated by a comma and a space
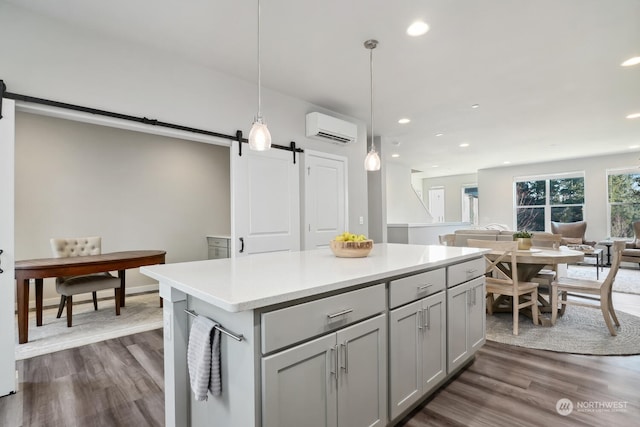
349, 245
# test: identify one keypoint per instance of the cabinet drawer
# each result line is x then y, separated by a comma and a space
218, 242
216, 253
460, 273
290, 325
411, 288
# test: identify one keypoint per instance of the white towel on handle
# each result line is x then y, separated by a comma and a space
215, 383
199, 356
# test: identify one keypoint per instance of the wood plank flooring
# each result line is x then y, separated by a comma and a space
119, 383
513, 386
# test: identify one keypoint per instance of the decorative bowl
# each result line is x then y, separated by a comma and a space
351, 249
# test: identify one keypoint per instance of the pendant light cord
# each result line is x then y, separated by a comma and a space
259, 70
371, 91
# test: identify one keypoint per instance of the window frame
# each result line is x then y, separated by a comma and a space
630, 170
547, 206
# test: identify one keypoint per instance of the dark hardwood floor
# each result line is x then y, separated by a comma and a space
120, 383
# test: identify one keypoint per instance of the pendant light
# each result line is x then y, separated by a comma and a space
259, 135
372, 161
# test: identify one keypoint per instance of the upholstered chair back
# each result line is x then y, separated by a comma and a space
76, 246
636, 230
572, 232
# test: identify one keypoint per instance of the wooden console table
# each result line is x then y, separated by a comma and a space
39, 269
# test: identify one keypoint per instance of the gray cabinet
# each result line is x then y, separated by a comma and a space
219, 247
465, 322
336, 380
417, 351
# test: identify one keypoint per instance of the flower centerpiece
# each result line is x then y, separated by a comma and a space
523, 238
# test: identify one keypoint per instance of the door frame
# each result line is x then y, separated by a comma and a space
305, 232
7, 244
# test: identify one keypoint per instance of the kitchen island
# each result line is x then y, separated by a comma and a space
321, 340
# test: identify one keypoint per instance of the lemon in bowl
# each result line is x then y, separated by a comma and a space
349, 245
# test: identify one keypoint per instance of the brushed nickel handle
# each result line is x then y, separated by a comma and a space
340, 313
424, 287
427, 317
346, 356
334, 363
419, 314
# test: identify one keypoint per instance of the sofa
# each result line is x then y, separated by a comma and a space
632, 251
460, 237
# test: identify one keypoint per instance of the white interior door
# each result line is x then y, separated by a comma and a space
7, 257
436, 204
265, 201
325, 193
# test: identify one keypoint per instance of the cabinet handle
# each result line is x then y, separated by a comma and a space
1, 270
346, 356
423, 288
471, 271
340, 313
419, 314
241, 244
334, 363
427, 316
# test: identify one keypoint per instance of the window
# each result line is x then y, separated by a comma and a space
623, 187
540, 200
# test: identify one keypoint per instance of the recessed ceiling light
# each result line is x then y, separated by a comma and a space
634, 146
506, 162
631, 61
418, 28
439, 134
633, 116
464, 144
475, 105
435, 166
404, 121
395, 155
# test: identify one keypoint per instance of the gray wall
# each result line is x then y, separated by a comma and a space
495, 188
137, 191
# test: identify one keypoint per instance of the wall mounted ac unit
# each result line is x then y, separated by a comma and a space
321, 126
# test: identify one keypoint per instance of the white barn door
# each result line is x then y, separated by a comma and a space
7, 257
265, 201
325, 197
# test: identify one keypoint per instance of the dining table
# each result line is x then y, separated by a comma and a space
529, 262
39, 269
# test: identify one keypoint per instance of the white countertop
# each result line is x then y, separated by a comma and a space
254, 281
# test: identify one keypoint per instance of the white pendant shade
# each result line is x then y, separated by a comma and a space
259, 136
372, 161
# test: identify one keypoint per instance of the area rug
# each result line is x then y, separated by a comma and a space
580, 331
627, 279
141, 313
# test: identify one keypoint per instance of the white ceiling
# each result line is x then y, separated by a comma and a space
546, 73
